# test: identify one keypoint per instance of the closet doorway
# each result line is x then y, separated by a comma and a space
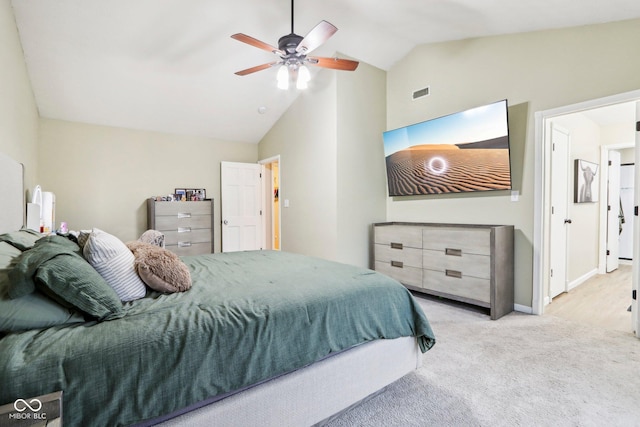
544, 183
272, 206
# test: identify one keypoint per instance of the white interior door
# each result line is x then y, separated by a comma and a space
559, 211
241, 205
627, 174
613, 210
636, 236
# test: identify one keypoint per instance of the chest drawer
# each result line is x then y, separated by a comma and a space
187, 235
411, 257
405, 274
467, 287
183, 209
452, 240
398, 236
189, 248
468, 264
165, 223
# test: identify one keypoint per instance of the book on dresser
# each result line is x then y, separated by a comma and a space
468, 263
187, 226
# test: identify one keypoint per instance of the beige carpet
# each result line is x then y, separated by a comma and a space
520, 370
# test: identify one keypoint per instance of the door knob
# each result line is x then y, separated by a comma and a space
225, 222
567, 221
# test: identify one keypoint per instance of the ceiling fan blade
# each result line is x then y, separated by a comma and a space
256, 68
333, 63
257, 43
318, 35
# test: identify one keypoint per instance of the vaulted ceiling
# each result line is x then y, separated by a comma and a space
168, 65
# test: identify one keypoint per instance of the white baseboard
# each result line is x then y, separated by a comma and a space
580, 280
522, 308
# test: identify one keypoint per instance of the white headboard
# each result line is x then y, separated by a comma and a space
12, 202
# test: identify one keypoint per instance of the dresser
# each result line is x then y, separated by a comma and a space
468, 263
187, 226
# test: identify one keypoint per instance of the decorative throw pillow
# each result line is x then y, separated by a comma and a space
114, 261
83, 236
71, 281
22, 239
33, 311
159, 268
153, 237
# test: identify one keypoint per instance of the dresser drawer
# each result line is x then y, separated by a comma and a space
466, 286
187, 248
166, 223
468, 264
411, 257
183, 208
398, 236
407, 275
187, 235
465, 241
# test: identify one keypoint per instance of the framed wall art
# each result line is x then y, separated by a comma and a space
585, 183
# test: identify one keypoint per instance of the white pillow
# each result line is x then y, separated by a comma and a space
115, 263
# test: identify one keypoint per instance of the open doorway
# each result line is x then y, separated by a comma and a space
250, 205
600, 117
271, 199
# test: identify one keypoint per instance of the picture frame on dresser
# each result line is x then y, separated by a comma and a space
180, 194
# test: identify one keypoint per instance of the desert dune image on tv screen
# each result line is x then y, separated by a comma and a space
466, 151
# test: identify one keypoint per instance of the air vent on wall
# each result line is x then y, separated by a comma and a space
420, 93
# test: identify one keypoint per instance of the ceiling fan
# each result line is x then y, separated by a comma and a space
293, 50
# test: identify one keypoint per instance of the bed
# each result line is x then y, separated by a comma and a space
260, 338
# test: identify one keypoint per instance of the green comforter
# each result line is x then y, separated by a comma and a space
249, 317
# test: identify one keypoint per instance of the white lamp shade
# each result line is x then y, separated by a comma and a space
303, 77
283, 77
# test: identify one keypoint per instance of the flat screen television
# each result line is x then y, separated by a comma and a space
461, 152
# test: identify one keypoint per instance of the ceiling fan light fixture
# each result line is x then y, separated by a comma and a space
283, 77
303, 78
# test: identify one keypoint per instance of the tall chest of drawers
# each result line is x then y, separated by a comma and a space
467, 263
187, 226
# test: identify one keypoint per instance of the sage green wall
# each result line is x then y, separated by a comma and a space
361, 180
332, 165
102, 176
305, 138
534, 71
18, 111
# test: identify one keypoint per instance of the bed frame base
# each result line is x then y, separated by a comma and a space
314, 394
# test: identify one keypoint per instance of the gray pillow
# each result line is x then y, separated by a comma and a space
33, 311
71, 281
22, 239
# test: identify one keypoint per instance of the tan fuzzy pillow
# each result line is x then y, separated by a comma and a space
159, 268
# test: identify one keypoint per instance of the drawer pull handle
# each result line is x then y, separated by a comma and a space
396, 245
398, 264
454, 252
184, 244
184, 229
453, 273
184, 214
